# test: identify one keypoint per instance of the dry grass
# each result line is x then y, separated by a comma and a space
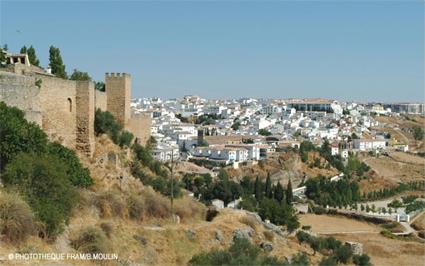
419, 223
136, 207
326, 224
157, 206
107, 228
250, 221
92, 240
16, 218
189, 210
111, 204
269, 235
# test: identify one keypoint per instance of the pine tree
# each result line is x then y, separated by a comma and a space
268, 189
32, 56
56, 63
289, 195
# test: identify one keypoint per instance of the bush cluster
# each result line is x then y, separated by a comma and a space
339, 253
92, 240
242, 252
45, 173
105, 123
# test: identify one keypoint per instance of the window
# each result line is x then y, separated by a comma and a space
70, 104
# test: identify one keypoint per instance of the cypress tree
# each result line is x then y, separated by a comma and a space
2, 56
278, 192
268, 189
289, 196
24, 50
32, 56
258, 192
56, 63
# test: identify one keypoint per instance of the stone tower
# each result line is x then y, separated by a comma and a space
118, 96
85, 141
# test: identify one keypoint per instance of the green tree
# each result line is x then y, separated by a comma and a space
78, 175
32, 57
258, 189
343, 254
105, 123
264, 132
56, 63
236, 125
79, 75
23, 50
278, 192
289, 196
125, 138
100, 86
361, 260
46, 186
18, 135
268, 188
418, 133
3, 51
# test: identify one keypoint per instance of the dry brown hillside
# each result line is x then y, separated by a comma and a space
120, 215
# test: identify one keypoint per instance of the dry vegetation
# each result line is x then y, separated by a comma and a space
399, 127
383, 251
16, 218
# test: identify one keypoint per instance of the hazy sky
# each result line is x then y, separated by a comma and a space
220, 49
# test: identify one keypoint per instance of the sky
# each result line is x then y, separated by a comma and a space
344, 50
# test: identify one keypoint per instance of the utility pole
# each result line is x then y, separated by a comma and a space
172, 184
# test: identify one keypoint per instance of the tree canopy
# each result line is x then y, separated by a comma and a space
56, 63
79, 75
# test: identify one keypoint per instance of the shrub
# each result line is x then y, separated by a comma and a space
242, 252
136, 207
107, 228
79, 175
92, 240
45, 185
157, 206
18, 135
16, 218
343, 254
142, 154
306, 227
328, 261
361, 260
125, 138
211, 214
215, 257
189, 209
300, 259
105, 123
110, 204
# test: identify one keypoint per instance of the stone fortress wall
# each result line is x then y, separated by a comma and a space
65, 109
20, 91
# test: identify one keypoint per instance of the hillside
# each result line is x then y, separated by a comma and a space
137, 222
285, 166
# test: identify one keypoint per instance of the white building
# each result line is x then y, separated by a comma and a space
369, 144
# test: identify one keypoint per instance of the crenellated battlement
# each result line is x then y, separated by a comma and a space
117, 75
